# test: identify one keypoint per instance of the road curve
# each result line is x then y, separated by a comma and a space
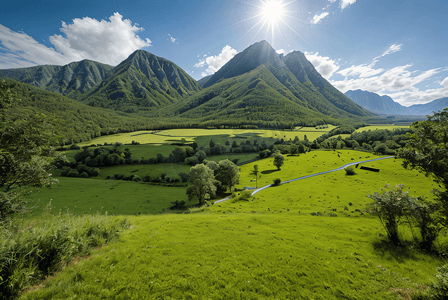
312, 175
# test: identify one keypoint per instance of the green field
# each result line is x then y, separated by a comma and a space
117, 197
381, 127
203, 136
270, 247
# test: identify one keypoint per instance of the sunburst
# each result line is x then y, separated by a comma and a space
271, 15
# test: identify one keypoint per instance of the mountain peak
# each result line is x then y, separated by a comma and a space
260, 53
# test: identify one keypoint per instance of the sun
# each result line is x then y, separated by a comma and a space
272, 11
272, 16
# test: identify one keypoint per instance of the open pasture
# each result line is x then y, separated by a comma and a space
203, 136
155, 170
328, 193
381, 127
117, 197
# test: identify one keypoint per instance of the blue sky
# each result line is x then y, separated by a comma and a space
395, 48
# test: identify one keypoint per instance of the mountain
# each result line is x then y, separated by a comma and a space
141, 82
204, 80
383, 105
305, 72
73, 120
429, 108
72, 80
387, 106
257, 85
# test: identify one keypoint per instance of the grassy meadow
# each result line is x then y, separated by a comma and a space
313, 238
270, 247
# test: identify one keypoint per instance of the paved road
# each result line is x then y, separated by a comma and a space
312, 175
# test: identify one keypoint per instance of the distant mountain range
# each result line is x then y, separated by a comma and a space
257, 85
384, 105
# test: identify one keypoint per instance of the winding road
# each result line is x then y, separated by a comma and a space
312, 175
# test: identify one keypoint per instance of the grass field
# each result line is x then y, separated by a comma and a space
203, 136
269, 247
117, 197
155, 170
381, 127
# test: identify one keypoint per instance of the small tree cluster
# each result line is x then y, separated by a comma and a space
396, 207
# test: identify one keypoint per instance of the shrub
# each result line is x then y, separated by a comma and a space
349, 171
136, 178
84, 175
439, 289
75, 147
178, 205
277, 182
32, 250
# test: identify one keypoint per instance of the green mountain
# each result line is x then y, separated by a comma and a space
258, 87
72, 80
74, 121
305, 72
141, 83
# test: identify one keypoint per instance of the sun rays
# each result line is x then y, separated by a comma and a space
270, 17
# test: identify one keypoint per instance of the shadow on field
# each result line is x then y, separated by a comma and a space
269, 171
399, 253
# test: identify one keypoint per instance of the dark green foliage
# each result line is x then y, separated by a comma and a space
178, 205
277, 182
26, 152
227, 173
350, 171
427, 151
278, 160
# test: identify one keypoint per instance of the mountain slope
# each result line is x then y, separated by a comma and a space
376, 103
74, 121
387, 106
141, 82
255, 97
305, 72
71, 80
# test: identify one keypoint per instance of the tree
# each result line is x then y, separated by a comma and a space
227, 173
427, 152
202, 183
26, 153
255, 172
278, 160
391, 206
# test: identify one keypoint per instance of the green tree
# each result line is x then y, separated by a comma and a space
26, 153
427, 151
202, 183
227, 173
278, 160
255, 172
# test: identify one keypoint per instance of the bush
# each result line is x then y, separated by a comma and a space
75, 147
350, 171
136, 178
277, 182
30, 251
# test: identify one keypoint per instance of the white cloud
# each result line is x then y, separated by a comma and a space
345, 3
319, 17
445, 82
361, 70
392, 49
108, 42
280, 51
173, 39
214, 63
324, 65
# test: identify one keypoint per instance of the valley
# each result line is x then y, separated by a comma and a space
112, 176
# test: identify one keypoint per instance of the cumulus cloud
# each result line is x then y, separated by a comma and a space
108, 42
280, 51
345, 3
214, 63
324, 65
318, 17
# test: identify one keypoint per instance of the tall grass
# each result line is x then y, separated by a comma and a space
31, 249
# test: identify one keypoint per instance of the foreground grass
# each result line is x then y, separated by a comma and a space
270, 247
31, 249
244, 256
